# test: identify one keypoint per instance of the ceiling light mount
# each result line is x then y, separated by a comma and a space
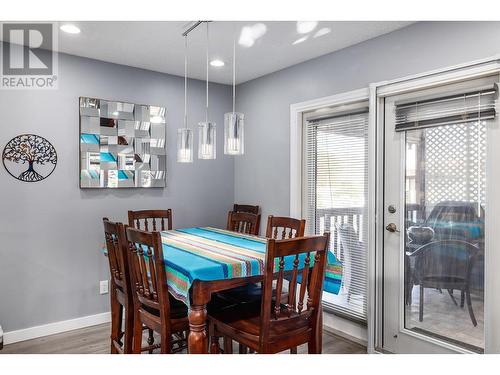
304, 27
250, 34
70, 28
193, 26
217, 63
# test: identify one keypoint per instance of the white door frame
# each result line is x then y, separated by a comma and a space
378, 92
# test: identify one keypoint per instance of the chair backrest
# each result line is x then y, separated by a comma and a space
280, 228
116, 246
243, 222
297, 255
455, 220
249, 209
349, 240
147, 267
150, 218
445, 261
354, 256
246, 208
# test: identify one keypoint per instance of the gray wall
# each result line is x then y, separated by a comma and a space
262, 174
51, 231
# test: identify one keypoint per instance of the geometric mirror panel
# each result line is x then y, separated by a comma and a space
122, 145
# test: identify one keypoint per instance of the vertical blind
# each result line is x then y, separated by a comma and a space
336, 167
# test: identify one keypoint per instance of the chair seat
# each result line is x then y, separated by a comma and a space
178, 309
443, 282
249, 293
242, 322
243, 294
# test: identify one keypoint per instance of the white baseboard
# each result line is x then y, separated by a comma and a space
56, 327
331, 323
345, 328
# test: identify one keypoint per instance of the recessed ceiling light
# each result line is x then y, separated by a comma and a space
70, 29
323, 31
304, 27
300, 40
217, 63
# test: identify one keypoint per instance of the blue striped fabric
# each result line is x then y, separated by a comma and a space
214, 254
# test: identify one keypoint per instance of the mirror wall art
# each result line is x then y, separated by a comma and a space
122, 145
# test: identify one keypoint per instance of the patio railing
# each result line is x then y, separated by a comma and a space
328, 218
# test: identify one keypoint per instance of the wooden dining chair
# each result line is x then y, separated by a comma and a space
121, 298
248, 209
154, 307
122, 304
272, 326
149, 219
279, 227
243, 222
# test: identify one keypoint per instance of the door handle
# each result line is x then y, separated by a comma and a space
391, 227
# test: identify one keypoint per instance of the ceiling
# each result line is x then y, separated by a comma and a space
159, 46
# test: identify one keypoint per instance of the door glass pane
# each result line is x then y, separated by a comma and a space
444, 232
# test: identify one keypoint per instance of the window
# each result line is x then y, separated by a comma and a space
336, 182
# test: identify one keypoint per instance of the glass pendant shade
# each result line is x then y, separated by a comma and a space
234, 133
207, 140
184, 145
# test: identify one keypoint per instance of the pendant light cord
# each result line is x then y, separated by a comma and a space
206, 110
185, 81
234, 72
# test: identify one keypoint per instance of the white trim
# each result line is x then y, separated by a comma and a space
447, 75
56, 327
345, 328
296, 112
491, 256
373, 274
373, 186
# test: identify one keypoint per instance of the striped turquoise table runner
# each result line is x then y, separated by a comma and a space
214, 254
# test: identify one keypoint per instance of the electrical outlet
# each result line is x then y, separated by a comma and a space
104, 287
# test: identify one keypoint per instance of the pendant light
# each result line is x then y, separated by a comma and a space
234, 122
207, 139
185, 135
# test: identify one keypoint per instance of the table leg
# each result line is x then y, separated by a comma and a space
197, 339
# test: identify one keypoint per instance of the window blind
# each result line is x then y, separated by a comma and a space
336, 167
472, 106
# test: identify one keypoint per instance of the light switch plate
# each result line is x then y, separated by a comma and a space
104, 287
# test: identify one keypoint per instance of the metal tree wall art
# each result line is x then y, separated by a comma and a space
29, 158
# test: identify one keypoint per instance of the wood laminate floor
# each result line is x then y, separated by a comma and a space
95, 340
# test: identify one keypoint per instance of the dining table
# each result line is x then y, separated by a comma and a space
201, 261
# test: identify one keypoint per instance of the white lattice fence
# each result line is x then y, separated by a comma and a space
455, 157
